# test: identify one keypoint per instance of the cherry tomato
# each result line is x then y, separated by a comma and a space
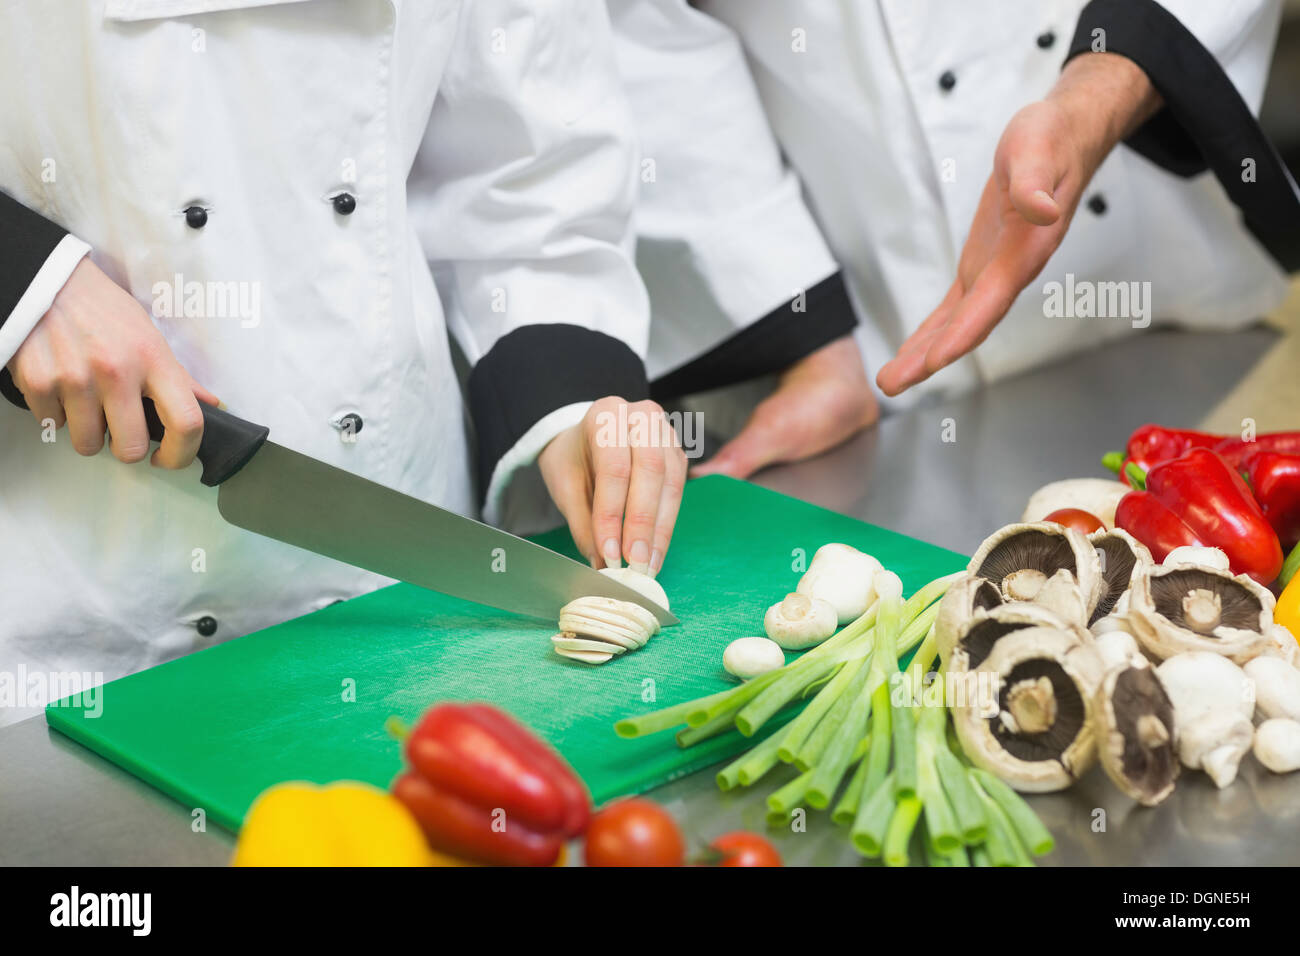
1078, 519
743, 848
634, 832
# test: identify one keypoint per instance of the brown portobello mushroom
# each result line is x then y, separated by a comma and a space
1136, 734
1042, 562
1040, 736
1183, 608
1123, 559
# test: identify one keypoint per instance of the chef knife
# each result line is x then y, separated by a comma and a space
277, 492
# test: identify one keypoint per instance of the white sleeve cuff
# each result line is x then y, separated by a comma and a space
524, 453
38, 298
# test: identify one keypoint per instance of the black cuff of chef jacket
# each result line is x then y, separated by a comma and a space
1205, 124
786, 334
26, 240
537, 369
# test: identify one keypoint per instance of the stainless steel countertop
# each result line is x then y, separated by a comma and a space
61, 804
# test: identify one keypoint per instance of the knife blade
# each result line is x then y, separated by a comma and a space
274, 491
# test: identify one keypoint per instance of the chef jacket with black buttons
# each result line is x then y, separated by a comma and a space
318, 160
889, 112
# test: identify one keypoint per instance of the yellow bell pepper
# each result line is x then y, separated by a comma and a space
1287, 612
341, 824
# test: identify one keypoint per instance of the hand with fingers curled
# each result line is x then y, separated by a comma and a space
1045, 159
617, 478
819, 402
92, 359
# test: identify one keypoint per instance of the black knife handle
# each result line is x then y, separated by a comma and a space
228, 440
227, 445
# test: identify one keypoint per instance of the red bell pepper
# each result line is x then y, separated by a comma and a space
1198, 499
472, 832
483, 787
1149, 445
1275, 481
1238, 451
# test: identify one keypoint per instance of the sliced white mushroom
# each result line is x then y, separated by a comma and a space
843, 577
748, 657
799, 621
567, 641
587, 657
1097, 496
1277, 687
596, 629
1277, 745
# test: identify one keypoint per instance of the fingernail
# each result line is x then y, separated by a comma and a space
656, 561
638, 557
610, 549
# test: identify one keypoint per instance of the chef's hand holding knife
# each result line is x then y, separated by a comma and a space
1046, 157
91, 359
95, 354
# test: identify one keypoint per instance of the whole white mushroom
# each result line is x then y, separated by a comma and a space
844, 578
799, 621
1277, 687
1213, 701
748, 657
1277, 744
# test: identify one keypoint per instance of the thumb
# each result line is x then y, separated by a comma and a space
1033, 177
202, 394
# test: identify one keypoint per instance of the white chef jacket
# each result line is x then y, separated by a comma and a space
894, 160
122, 114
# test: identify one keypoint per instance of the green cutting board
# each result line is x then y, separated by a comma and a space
308, 699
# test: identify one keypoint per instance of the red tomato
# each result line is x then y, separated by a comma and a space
1078, 519
743, 848
634, 832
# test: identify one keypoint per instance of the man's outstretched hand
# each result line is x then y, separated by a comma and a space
1044, 161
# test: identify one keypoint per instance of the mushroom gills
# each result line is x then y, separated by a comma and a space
1183, 608
1137, 734
966, 597
1041, 712
1039, 735
1044, 563
1120, 557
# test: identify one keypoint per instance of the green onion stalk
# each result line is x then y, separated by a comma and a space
867, 732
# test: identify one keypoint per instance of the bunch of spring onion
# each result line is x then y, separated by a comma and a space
865, 744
